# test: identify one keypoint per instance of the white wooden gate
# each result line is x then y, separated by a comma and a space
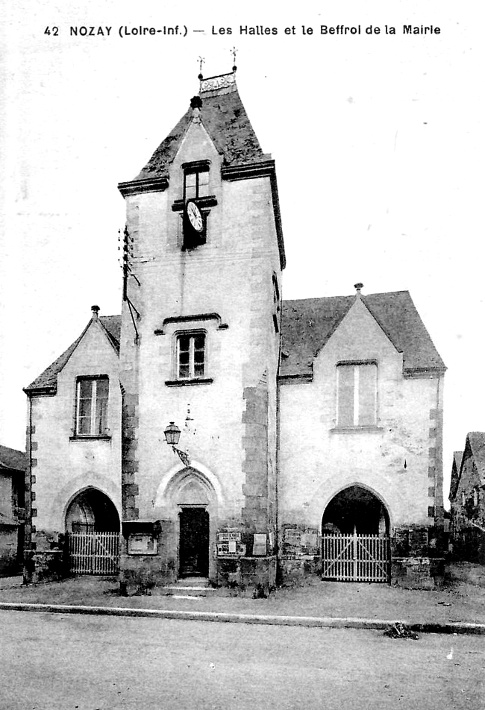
356, 558
94, 553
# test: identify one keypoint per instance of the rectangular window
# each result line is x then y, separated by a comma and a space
357, 394
92, 406
196, 183
190, 356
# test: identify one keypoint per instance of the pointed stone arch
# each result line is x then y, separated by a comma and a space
356, 508
91, 510
189, 499
378, 485
190, 482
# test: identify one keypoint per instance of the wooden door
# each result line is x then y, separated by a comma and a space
194, 542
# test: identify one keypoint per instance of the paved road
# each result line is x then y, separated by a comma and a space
57, 661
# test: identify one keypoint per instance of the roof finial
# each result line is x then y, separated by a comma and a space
358, 287
196, 105
95, 311
234, 52
201, 62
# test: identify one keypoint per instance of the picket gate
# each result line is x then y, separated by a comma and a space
94, 552
356, 558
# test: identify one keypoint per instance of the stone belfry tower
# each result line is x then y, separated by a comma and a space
200, 347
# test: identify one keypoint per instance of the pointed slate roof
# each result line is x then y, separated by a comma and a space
455, 473
46, 382
474, 448
308, 324
476, 441
12, 459
220, 110
225, 119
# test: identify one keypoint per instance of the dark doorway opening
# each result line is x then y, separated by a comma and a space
92, 511
355, 509
194, 542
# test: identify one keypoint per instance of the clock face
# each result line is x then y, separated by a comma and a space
195, 217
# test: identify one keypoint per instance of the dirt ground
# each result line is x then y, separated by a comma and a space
457, 601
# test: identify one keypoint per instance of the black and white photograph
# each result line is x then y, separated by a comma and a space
242, 433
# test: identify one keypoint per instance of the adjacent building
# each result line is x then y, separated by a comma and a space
13, 465
306, 434
467, 499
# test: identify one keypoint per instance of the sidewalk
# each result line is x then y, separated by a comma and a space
459, 608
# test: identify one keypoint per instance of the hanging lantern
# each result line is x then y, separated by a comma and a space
172, 434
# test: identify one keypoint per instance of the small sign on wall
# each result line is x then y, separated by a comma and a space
229, 544
259, 544
142, 544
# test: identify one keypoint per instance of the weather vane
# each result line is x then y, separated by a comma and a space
234, 52
201, 62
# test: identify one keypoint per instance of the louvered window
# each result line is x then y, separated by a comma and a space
356, 394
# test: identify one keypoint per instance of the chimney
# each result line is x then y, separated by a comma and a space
196, 105
94, 311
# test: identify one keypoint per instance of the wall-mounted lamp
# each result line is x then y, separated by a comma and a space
172, 434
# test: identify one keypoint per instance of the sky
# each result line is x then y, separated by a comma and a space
378, 140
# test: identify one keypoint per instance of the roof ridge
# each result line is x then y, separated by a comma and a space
351, 295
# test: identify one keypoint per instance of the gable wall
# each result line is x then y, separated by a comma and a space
63, 465
317, 460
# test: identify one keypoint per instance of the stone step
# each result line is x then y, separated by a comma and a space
181, 589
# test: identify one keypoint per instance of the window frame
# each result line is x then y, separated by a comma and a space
196, 168
356, 408
192, 335
94, 411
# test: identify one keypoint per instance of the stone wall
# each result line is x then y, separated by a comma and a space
9, 563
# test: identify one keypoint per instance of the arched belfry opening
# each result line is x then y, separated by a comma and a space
92, 511
356, 510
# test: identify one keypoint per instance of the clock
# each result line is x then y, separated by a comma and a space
194, 225
194, 216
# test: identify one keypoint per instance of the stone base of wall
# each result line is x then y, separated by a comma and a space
245, 575
44, 566
140, 573
253, 575
47, 560
417, 572
299, 570
418, 541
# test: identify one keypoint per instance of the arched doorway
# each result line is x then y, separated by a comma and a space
92, 511
355, 537
356, 509
194, 542
193, 497
93, 533
189, 497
